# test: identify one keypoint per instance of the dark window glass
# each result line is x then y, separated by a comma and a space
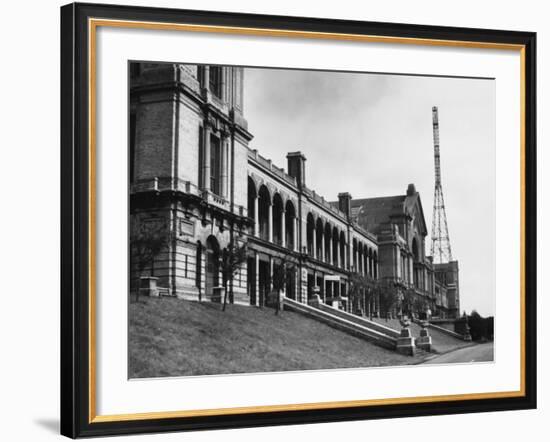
216, 81
215, 165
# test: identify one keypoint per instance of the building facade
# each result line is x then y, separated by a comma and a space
400, 227
193, 171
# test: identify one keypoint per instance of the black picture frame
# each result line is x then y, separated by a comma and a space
75, 220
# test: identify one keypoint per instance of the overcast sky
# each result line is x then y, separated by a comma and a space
371, 135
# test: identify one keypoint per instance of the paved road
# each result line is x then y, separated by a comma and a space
476, 353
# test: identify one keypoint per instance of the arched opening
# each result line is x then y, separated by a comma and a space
212, 274
252, 199
264, 207
319, 239
277, 219
375, 265
360, 268
328, 238
342, 250
310, 232
335, 252
290, 215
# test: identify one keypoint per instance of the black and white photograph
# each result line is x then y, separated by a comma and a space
288, 220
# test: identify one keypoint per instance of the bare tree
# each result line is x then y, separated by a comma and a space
389, 296
233, 256
147, 239
282, 276
356, 289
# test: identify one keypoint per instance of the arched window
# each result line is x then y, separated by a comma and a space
328, 239
319, 239
290, 215
277, 219
310, 234
335, 251
342, 249
264, 208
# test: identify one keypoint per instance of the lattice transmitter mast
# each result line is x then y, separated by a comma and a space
441, 243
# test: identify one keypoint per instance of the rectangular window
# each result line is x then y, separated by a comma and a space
215, 165
215, 81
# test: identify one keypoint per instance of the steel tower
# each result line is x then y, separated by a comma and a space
441, 243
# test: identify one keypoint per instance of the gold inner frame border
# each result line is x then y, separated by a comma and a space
93, 24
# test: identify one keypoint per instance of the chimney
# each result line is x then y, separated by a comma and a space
297, 167
344, 203
411, 190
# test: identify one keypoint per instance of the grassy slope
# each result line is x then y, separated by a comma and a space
171, 337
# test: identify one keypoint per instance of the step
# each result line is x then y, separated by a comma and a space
342, 324
359, 320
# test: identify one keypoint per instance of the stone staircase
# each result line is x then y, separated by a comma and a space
365, 322
351, 324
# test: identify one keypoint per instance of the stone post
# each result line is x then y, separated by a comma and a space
424, 342
315, 299
148, 286
405, 342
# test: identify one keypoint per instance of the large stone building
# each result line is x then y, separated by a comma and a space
192, 170
400, 227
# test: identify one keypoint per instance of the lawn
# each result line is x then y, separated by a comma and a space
172, 337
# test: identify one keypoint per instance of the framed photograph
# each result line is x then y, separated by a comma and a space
274, 220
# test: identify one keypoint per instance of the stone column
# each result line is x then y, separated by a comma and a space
298, 284
256, 217
206, 158
270, 274
314, 254
270, 221
257, 280
224, 156
330, 251
283, 228
322, 246
345, 263
296, 227
206, 78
